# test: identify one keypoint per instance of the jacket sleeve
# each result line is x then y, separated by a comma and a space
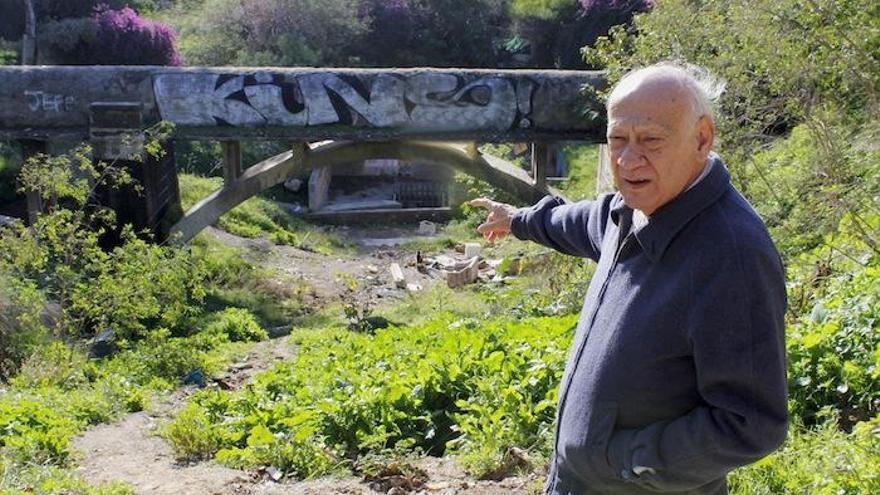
736, 330
571, 228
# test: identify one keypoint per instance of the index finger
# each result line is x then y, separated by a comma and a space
483, 203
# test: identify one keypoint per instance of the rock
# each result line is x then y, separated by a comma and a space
413, 287
274, 473
377, 322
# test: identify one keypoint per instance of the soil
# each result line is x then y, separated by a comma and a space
131, 450
376, 250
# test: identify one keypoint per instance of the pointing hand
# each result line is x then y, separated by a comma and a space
497, 224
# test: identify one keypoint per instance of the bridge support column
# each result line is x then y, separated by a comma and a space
152, 202
540, 158
231, 161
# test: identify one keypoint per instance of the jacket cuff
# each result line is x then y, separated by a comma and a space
517, 224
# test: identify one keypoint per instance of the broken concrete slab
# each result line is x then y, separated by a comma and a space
463, 273
397, 275
472, 249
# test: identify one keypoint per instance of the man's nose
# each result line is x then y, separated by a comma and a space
630, 157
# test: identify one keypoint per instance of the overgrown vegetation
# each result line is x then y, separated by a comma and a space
472, 386
259, 216
472, 372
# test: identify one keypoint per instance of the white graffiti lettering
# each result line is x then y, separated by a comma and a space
40, 101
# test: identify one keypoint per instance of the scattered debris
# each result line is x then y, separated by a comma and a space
397, 479
292, 208
397, 275
463, 273
472, 249
427, 227
195, 377
6, 221
514, 459
274, 473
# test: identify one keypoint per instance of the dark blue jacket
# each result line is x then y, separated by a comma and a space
677, 370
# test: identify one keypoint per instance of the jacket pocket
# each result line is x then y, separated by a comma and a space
584, 433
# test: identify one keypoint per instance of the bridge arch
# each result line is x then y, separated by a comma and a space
303, 158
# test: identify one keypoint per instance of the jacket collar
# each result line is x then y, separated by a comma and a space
670, 218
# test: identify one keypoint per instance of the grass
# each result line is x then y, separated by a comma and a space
260, 217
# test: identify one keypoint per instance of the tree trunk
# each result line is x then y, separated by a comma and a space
29, 39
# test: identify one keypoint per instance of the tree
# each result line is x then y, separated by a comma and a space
559, 28
29, 39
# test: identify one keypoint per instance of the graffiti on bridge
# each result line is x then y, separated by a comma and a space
40, 101
424, 100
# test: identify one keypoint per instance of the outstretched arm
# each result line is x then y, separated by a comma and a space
571, 228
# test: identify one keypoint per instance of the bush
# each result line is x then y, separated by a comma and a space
237, 325
268, 32
125, 38
110, 37
128, 289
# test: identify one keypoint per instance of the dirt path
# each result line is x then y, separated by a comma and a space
376, 250
130, 450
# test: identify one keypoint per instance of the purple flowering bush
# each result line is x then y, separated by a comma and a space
123, 37
109, 37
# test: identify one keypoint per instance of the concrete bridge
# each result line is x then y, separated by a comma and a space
394, 113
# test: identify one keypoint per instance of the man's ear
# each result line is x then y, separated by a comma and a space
705, 134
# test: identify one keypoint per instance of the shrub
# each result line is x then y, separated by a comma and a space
759, 48
110, 37
124, 37
130, 288
21, 329
237, 325
269, 32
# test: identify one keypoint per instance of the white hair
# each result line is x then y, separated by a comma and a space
703, 87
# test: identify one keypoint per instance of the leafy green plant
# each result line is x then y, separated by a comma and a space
820, 460
428, 388
237, 325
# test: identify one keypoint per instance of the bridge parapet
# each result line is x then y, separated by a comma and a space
53, 102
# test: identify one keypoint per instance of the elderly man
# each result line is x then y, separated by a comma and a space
677, 369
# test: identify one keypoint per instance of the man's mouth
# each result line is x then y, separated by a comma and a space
636, 182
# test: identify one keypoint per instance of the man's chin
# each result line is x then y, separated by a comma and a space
636, 202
